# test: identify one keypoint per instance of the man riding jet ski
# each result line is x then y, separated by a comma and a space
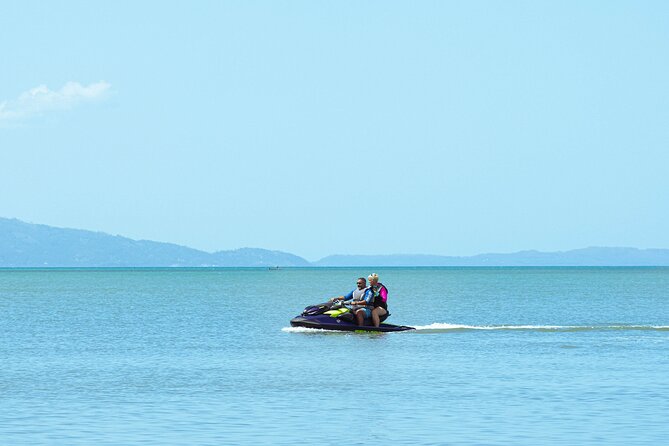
352, 312
337, 316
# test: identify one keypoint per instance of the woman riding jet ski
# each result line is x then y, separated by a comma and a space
334, 315
351, 312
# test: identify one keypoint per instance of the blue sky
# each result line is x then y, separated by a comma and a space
361, 127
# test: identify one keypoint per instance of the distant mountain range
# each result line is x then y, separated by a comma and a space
32, 245
577, 257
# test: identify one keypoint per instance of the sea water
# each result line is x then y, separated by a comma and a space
207, 356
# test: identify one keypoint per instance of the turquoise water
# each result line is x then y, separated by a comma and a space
501, 356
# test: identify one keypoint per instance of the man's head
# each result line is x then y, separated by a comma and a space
361, 282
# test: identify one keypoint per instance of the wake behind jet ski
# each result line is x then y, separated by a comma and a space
336, 315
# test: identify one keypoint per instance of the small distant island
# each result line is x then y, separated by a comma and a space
30, 245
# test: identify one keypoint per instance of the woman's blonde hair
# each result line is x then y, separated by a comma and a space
373, 277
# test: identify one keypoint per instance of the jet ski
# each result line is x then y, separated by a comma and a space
338, 316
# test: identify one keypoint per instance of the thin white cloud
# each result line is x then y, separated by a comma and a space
40, 99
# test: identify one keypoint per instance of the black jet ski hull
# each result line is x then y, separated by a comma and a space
326, 322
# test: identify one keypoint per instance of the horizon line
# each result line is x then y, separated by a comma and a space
488, 253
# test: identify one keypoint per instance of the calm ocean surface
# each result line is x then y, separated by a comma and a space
501, 356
